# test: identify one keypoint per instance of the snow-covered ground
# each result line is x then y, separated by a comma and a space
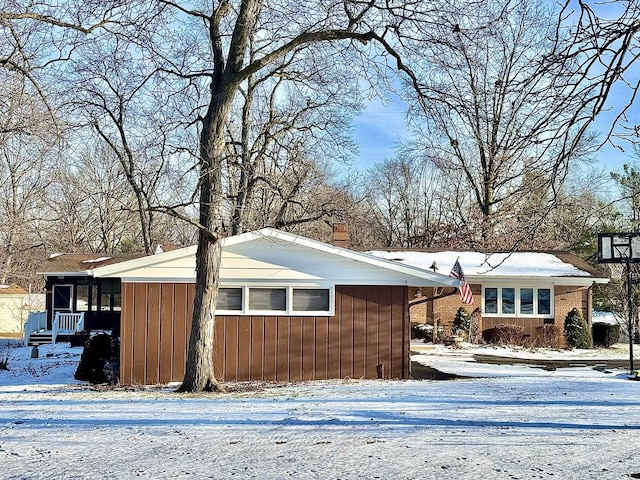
506, 422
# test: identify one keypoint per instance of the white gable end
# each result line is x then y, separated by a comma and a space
264, 261
273, 257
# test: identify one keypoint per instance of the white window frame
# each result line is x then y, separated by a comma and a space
288, 311
517, 301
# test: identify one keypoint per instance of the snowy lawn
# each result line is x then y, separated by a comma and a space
509, 422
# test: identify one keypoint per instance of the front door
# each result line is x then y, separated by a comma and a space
62, 298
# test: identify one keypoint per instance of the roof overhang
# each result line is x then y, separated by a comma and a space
581, 281
81, 273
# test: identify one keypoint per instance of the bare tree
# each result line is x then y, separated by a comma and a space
629, 184
495, 111
35, 35
286, 29
292, 114
125, 111
603, 40
92, 204
27, 145
416, 206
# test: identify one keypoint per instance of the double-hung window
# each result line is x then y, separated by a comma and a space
280, 300
518, 302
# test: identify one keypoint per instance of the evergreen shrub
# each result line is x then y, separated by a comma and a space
462, 321
605, 334
99, 360
576, 331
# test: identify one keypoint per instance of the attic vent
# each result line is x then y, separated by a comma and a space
397, 259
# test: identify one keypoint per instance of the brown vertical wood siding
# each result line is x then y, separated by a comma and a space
370, 327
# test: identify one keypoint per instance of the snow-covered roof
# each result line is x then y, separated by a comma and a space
477, 266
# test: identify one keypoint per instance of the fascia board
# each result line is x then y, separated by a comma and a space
77, 273
499, 279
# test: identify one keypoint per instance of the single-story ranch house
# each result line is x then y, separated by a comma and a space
524, 288
289, 309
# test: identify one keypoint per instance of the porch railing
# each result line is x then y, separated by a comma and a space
36, 321
66, 323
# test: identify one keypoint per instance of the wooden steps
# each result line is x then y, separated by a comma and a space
45, 337
39, 338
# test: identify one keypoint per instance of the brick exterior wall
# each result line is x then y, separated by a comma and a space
422, 312
444, 309
567, 297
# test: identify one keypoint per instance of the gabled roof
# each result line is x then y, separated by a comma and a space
81, 264
274, 255
562, 267
12, 290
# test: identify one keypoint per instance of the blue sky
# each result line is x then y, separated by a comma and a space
382, 125
378, 130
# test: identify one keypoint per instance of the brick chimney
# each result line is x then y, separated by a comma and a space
340, 235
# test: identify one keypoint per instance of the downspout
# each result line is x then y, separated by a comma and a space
590, 305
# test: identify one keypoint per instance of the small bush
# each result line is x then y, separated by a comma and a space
421, 331
462, 321
98, 360
504, 335
5, 351
605, 334
4, 360
576, 330
549, 336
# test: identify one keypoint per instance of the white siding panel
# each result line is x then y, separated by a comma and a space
267, 261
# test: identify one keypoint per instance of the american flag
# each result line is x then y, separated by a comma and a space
464, 290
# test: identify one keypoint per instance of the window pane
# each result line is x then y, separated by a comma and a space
230, 299
526, 301
508, 300
117, 302
491, 300
311, 299
62, 297
82, 298
105, 302
268, 299
544, 301
110, 286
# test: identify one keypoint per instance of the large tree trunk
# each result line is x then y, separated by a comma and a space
199, 374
